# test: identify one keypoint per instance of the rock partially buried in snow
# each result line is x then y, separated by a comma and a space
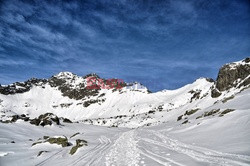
59, 140
79, 143
45, 119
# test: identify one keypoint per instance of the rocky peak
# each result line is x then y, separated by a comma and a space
231, 74
91, 75
65, 75
66, 78
247, 60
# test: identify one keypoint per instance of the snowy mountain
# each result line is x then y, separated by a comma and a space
212, 114
67, 95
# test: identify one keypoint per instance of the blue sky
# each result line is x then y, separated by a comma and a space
162, 44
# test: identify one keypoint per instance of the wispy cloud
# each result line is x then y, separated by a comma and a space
135, 40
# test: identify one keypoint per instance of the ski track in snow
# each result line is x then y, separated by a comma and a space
124, 152
197, 153
127, 151
141, 147
55, 155
93, 156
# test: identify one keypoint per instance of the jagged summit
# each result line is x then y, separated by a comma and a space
91, 75
233, 65
65, 74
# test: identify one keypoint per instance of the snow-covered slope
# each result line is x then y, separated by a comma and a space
105, 103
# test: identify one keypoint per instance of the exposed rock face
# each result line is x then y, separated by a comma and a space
215, 93
91, 75
79, 143
14, 118
78, 87
66, 120
21, 87
229, 74
42, 120
247, 60
77, 93
45, 119
69, 84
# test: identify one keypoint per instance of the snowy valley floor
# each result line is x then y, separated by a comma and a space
157, 145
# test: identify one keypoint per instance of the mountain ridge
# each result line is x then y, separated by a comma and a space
66, 95
70, 75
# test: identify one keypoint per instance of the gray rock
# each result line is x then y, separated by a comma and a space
215, 93
227, 77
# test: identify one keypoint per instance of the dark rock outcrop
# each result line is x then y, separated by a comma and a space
21, 87
74, 93
63, 141
82, 90
230, 73
67, 83
16, 117
215, 93
91, 75
247, 60
65, 120
45, 119
79, 143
